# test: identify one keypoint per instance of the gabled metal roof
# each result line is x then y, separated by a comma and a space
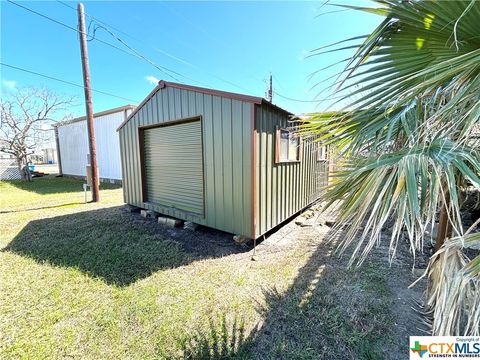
235, 96
95, 115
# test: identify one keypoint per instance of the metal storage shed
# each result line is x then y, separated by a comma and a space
72, 144
219, 159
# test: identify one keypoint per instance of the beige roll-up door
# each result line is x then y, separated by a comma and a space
174, 166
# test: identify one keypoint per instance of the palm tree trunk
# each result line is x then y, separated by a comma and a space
444, 228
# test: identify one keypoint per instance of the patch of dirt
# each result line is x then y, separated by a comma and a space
404, 302
393, 315
203, 242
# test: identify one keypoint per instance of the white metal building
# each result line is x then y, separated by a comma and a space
72, 144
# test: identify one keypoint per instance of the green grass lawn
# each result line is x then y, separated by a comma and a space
94, 281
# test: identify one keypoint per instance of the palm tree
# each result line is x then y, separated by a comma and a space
409, 144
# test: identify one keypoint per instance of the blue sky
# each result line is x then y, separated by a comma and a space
231, 46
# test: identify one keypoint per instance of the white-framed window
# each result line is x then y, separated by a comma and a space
288, 146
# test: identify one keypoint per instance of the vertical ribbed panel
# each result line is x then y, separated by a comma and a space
173, 158
282, 189
227, 154
73, 141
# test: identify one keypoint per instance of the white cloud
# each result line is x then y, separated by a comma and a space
9, 84
152, 79
303, 54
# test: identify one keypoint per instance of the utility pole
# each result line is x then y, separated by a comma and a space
270, 90
88, 103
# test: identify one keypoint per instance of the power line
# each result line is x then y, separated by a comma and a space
225, 45
158, 67
97, 20
162, 69
91, 17
297, 100
278, 82
148, 60
66, 82
301, 100
174, 57
42, 15
137, 54
134, 52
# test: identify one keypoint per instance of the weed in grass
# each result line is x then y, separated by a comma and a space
219, 341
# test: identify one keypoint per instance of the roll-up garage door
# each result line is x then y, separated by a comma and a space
173, 158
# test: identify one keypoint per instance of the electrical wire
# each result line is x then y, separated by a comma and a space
91, 17
158, 67
172, 56
133, 52
66, 82
289, 98
120, 40
297, 100
226, 45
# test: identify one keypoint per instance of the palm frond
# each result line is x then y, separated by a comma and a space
454, 289
408, 142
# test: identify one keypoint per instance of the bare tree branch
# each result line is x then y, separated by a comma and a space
25, 121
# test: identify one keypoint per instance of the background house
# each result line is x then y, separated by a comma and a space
72, 144
50, 156
224, 160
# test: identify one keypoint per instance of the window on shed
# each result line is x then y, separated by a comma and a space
288, 146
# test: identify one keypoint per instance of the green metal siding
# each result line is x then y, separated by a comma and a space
228, 145
227, 152
286, 188
173, 158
